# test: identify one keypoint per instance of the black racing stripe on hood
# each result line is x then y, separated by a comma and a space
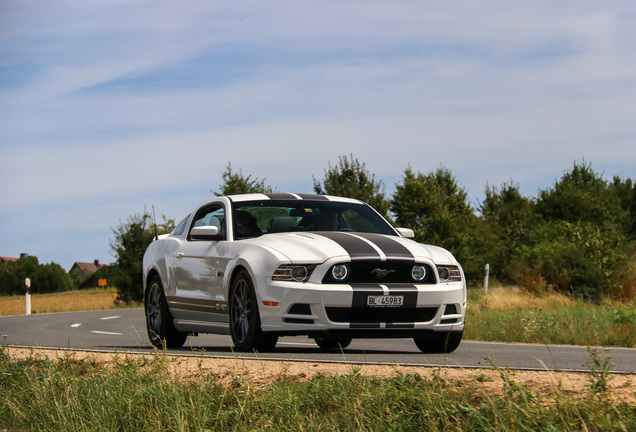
356, 248
391, 248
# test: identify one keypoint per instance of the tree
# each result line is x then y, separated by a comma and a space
583, 195
44, 278
581, 242
129, 245
436, 208
350, 178
625, 190
236, 183
11, 282
509, 217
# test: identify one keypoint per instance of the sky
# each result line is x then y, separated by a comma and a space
110, 107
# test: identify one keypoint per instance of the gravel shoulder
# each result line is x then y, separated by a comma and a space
261, 372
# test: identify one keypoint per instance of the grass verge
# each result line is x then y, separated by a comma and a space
147, 394
503, 315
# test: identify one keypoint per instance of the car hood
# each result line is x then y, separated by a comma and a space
317, 247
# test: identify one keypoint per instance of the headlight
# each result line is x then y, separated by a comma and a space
296, 273
418, 273
449, 274
339, 272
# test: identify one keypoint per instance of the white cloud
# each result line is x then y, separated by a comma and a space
109, 106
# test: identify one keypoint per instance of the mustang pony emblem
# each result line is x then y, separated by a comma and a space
381, 273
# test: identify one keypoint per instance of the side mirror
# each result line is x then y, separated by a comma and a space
406, 233
205, 233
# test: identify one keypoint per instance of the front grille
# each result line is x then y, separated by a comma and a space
378, 315
381, 272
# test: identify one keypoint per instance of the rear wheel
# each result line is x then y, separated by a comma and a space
245, 321
161, 330
327, 343
442, 342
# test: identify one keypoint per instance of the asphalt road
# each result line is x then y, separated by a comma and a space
124, 330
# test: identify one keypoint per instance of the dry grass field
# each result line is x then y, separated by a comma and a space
95, 299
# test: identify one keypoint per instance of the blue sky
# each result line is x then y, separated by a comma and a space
109, 107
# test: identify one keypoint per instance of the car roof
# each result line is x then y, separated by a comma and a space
291, 197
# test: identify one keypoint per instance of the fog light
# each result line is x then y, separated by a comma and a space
418, 273
339, 272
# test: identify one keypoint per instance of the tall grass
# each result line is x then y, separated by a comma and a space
514, 316
144, 395
90, 299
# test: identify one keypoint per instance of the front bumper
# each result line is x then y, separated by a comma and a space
316, 309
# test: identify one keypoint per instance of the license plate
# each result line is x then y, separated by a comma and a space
385, 300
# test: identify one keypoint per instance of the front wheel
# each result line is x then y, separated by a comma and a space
159, 324
442, 342
245, 321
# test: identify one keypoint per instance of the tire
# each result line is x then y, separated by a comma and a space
326, 343
245, 321
443, 342
161, 331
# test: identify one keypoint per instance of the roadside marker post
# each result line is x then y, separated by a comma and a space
27, 282
486, 277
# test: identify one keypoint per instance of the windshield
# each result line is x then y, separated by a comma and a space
254, 218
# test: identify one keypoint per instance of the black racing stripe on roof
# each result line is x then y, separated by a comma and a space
314, 197
289, 196
281, 196
356, 248
391, 248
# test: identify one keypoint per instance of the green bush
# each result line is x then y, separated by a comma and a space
573, 257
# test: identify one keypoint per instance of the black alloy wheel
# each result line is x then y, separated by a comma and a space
245, 322
161, 330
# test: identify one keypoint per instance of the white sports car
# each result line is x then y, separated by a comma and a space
259, 266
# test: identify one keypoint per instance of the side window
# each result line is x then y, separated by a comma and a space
211, 216
181, 227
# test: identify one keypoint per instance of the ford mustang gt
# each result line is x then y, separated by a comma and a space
260, 266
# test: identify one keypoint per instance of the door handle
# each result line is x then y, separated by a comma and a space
180, 255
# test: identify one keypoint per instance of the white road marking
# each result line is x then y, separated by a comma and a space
106, 333
75, 325
110, 317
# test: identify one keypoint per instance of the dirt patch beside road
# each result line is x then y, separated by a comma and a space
260, 372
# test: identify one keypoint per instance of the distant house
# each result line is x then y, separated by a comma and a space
6, 259
84, 274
